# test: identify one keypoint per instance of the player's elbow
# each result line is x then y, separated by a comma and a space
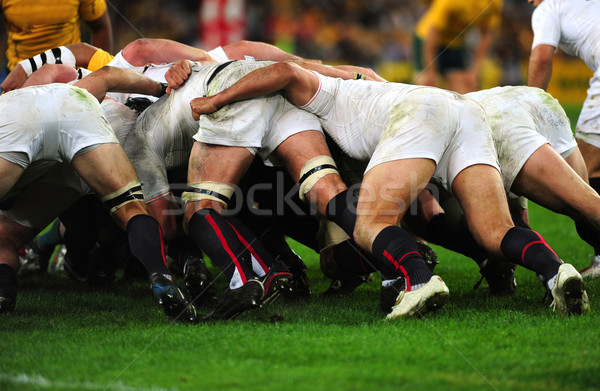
137, 52
289, 71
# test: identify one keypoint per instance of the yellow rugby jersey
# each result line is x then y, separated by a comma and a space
34, 26
454, 17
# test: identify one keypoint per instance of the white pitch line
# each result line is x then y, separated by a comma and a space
42, 382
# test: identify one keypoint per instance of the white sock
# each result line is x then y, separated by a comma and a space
551, 282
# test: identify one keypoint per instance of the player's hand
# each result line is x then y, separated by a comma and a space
201, 106
15, 79
178, 74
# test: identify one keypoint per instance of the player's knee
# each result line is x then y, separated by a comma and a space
208, 193
313, 171
131, 192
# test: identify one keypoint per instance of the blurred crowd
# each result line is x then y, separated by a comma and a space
374, 33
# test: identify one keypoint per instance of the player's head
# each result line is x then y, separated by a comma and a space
535, 3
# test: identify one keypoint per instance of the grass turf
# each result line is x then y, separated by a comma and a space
68, 336
65, 336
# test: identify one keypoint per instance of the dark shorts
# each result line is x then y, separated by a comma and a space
448, 60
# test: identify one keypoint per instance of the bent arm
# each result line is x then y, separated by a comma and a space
259, 50
113, 79
145, 51
540, 66
51, 73
299, 85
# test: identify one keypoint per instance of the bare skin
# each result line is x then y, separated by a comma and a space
540, 66
548, 180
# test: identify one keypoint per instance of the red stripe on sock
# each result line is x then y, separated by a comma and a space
212, 223
399, 267
252, 250
546, 244
162, 247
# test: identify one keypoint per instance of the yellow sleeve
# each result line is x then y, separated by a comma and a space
91, 9
99, 59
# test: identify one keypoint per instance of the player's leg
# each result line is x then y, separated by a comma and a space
548, 180
386, 192
9, 172
319, 182
108, 171
213, 172
13, 236
480, 192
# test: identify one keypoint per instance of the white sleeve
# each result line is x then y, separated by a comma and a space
545, 23
120, 62
219, 54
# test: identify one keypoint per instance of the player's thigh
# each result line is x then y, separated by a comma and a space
224, 165
387, 190
106, 168
217, 163
480, 192
548, 180
10, 173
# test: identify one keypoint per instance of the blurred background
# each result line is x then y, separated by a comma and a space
371, 33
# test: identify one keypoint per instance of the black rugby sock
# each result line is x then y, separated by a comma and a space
527, 248
341, 209
146, 243
219, 240
398, 255
350, 259
458, 239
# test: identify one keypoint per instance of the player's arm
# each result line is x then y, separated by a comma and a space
113, 79
259, 50
145, 51
101, 32
74, 55
540, 66
429, 76
482, 49
52, 73
298, 83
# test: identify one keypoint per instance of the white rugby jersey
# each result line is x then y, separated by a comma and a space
572, 25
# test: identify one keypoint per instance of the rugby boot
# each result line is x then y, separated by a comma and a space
415, 303
592, 271
236, 301
276, 282
199, 282
569, 292
174, 303
346, 284
389, 293
296, 266
428, 254
500, 276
